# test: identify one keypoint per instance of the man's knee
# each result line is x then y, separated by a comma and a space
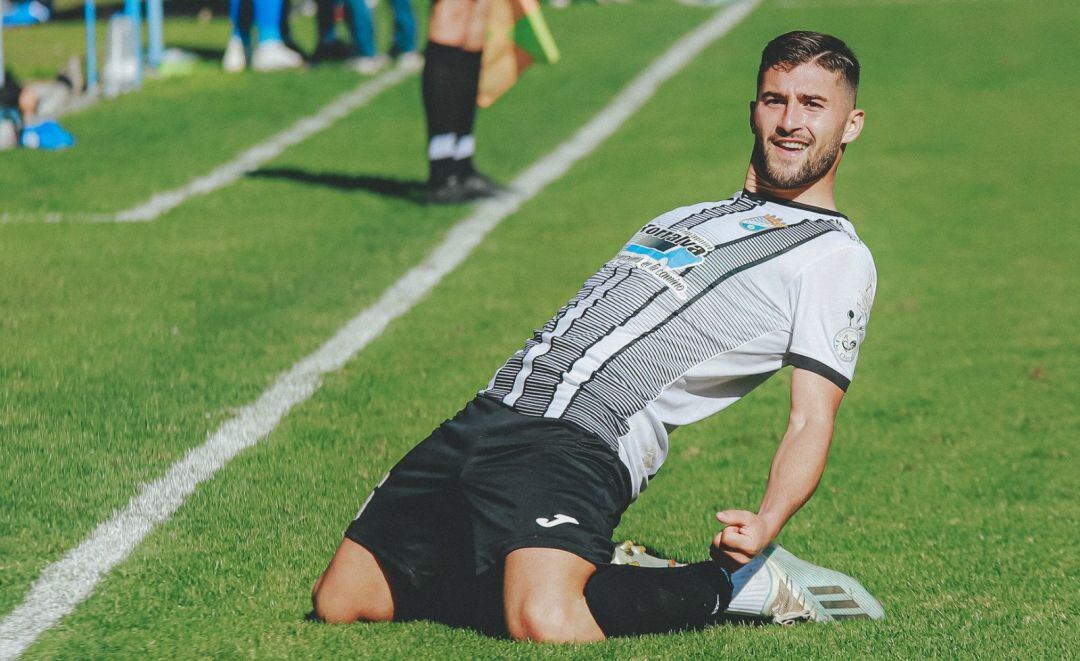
334, 605
539, 621
543, 596
353, 588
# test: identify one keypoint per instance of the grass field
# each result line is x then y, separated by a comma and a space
949, 492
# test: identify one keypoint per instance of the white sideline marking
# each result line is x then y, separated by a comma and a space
70, 580
250, 160
247, 161
47, 217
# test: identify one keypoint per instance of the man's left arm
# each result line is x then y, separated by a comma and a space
795, 473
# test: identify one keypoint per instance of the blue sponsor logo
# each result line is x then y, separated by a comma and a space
675, 257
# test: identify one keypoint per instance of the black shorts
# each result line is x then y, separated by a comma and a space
487, 482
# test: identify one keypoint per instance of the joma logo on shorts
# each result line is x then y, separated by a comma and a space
557, 520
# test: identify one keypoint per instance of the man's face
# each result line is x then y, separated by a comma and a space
800, 119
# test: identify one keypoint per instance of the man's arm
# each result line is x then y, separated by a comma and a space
796, 469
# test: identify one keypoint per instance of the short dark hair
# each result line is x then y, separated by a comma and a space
801, 46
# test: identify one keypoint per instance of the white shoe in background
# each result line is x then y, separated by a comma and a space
411, 61
235, 59
368, 66
275, 56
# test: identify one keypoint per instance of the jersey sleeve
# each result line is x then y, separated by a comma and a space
831, 300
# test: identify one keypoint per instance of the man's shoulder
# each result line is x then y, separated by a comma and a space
836, 256
701, 211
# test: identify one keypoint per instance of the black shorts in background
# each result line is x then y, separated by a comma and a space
487, 482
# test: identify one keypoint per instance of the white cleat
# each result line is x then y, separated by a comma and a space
368, 66
275, 56
777, 585
235, 59
629, 553
411, 61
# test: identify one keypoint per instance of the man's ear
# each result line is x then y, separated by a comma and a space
750, 117
854, 125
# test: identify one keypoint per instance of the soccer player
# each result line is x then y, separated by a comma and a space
505, 513
450, 82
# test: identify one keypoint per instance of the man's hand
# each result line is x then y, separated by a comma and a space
744, 536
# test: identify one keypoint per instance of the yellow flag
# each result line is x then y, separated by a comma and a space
516, 37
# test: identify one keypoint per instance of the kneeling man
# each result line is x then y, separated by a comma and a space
502, 519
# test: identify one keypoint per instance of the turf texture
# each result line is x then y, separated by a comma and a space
948, 492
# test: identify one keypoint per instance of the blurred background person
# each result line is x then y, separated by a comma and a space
27, 13
362, 54
273, 51
28, 111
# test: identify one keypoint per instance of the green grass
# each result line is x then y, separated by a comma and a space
949, 492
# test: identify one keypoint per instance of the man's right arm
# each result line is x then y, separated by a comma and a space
796, 470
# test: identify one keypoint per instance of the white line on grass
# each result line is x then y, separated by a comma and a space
247, 161
250, 160
65, 583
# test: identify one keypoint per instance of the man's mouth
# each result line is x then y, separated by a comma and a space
791, 146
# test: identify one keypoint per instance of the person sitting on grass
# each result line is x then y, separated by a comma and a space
502, 518
32, 108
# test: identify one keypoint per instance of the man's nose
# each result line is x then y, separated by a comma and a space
792, 118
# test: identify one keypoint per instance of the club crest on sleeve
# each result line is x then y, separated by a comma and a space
846, 342
758, 223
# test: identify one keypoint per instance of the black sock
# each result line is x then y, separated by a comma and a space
629, 601
466, 111
441, 83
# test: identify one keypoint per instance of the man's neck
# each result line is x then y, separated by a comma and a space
817, 194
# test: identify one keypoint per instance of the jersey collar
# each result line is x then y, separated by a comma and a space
761, 197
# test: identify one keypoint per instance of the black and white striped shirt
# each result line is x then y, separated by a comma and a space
703, 303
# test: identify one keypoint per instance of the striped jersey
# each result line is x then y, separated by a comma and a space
701, 305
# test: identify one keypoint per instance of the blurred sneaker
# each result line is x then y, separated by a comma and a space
448, 192
411, 61
46, 134
781, 587
26, 13
480, 186
235, 59
275, 56
9, 134
629, 553
368, 66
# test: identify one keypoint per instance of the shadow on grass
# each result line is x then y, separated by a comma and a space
405, 189
203, 53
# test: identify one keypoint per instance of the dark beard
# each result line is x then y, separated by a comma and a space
812, 170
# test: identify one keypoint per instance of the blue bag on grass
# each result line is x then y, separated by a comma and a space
46, 134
